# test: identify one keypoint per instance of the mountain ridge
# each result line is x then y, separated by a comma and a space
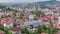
35, 3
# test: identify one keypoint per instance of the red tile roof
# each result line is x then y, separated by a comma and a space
16, 28
2, 32
21, 22
7, 21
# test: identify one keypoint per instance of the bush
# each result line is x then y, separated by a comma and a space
6, 30
41, 29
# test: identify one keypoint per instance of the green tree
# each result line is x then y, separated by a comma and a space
25, 31
35, 18
38, 13
14, 25
6, 30
21, 15
1, 6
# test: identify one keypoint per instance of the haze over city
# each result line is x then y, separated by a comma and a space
21, 1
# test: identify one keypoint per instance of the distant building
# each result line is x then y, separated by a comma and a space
52, 0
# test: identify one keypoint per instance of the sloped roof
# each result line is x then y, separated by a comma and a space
35, 23
2, 32
16, 28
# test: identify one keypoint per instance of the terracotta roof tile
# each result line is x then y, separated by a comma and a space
16, 28
2, 32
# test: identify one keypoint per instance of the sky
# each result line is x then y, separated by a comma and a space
20, 1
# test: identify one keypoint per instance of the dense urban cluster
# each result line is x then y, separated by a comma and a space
43, 20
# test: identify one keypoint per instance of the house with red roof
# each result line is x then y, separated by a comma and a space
2, 32
16, 30
7, 22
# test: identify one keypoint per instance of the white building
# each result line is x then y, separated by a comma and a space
59, 20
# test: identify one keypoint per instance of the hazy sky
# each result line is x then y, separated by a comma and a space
21, 1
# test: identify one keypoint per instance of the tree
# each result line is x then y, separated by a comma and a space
35, 18
14, 25
40, 29
21, 15
25, 31
1, 6
5, 16
38, 13
6, 30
